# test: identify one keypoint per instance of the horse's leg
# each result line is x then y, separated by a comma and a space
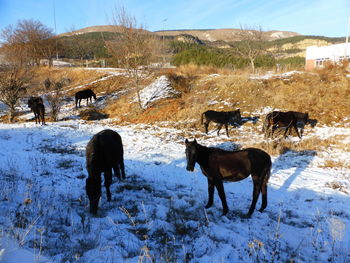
122, 168
257, 180
87, 101
36, 117
226, 126
273, 129
116, 171
206, 124
285, 132
210, 194
220, 187
219, 128
296, 129
264, 194
108, 181
265, 129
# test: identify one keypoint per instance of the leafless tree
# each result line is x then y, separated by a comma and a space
251, 44
55, 97
28, 42
12, 83
133, 48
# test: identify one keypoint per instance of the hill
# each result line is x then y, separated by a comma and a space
212, 35
226, 34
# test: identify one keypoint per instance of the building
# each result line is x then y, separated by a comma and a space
317, 56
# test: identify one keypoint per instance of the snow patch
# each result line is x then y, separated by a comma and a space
159, 89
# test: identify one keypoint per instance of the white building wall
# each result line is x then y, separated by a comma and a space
333, 52
318, 55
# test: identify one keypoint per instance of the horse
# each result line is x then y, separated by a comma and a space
84, 94
36, 105
289, 120
219, 165
220, 117
104, 152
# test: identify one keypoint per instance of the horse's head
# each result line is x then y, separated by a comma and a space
191, 154
93, 191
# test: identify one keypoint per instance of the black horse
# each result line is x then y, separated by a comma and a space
222, 118
84, 94
103, 152
36, 105
220, 165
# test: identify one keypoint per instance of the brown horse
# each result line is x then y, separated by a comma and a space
84, 94
220, 117
36, 105
103, 152
220, 165
288, 120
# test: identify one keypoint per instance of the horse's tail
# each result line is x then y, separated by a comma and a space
202, 116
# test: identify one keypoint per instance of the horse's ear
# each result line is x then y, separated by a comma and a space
195, 141
186, 141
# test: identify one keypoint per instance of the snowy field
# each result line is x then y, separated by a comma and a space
157, 213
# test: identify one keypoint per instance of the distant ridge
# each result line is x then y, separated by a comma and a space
225, 34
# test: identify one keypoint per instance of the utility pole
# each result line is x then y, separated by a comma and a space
54, 18
347, 34
164, 20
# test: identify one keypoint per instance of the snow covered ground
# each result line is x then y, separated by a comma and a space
157, 213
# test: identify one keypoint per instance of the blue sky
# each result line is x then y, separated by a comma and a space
307, 17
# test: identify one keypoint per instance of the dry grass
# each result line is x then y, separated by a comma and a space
324, 94
78, 76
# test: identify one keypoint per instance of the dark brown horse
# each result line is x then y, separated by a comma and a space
84, 94
104, 152
287, 120
36, 105
220, 165
220, 117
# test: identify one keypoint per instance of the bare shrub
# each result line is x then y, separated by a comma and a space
55, 97
12, 83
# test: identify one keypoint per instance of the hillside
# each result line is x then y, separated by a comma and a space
227, 34
212, 35
281, 44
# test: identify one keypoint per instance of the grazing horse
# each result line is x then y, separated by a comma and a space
84, 94
220, 117
289, 120
220, 165
104, 152
36, 105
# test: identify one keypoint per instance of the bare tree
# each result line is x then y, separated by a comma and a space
28, 42
132, 48
12, 83
55, 97
251, 44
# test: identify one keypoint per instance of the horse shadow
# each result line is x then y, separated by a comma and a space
299, 160
252, 119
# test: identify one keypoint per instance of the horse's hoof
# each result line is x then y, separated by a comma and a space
208, 205
224, 212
